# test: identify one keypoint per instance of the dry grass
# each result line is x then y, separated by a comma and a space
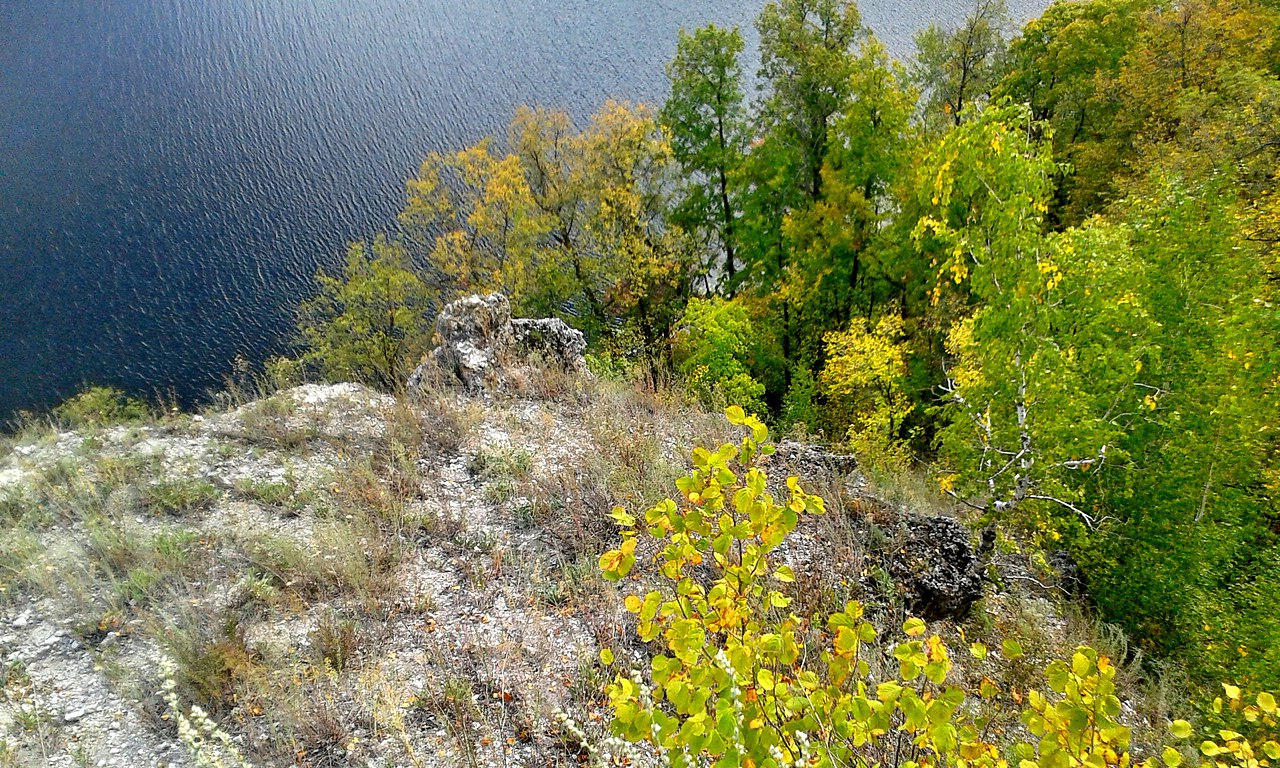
270, 423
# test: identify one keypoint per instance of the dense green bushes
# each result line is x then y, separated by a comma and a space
99, 407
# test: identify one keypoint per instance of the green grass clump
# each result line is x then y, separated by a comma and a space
100, 407
177, 497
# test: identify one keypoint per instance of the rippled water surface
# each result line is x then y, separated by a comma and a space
173, 172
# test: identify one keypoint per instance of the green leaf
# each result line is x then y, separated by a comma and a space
735, 415
889, 691
936, 671
1180, 729
766, 679
606, 656
915, 712
944, 737
909, 670
1080, 665
913, 627
1172, 757
1058, 675
978, 651
726, 726
1011, 649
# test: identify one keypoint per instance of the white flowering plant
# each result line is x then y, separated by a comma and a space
207, 743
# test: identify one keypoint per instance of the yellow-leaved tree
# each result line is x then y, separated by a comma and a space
565, 221
863, 381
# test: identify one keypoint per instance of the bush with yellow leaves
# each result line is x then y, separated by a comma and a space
741, 681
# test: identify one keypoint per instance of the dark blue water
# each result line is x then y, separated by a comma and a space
172, 172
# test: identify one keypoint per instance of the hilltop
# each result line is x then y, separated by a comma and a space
341, 577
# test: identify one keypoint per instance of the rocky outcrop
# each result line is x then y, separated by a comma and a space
808, 460
937, 569
1070, 577
550, 339
478, 343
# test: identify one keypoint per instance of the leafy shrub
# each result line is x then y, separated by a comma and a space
799, 408
740, 680
863, 379
100, 407
370, 325
713, 349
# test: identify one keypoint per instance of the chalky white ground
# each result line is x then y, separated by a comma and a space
527, 651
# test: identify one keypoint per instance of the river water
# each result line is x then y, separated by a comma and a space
172, 172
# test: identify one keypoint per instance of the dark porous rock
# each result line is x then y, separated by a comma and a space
937, 568
807, 460
816, 467
1070, 577
478, 343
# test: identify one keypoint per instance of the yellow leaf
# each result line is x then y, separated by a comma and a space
1266, 702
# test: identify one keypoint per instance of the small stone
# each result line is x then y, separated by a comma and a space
24, 620
74, 715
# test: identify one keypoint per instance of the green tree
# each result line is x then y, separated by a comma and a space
838, 243
1064, 66
567, 222
1114, 384
957, 68
474, 215
707, 118
806, 60
1189, 561
714, 351
1045, 374
372, 323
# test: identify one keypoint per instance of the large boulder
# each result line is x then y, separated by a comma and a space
479, 344
937, 568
